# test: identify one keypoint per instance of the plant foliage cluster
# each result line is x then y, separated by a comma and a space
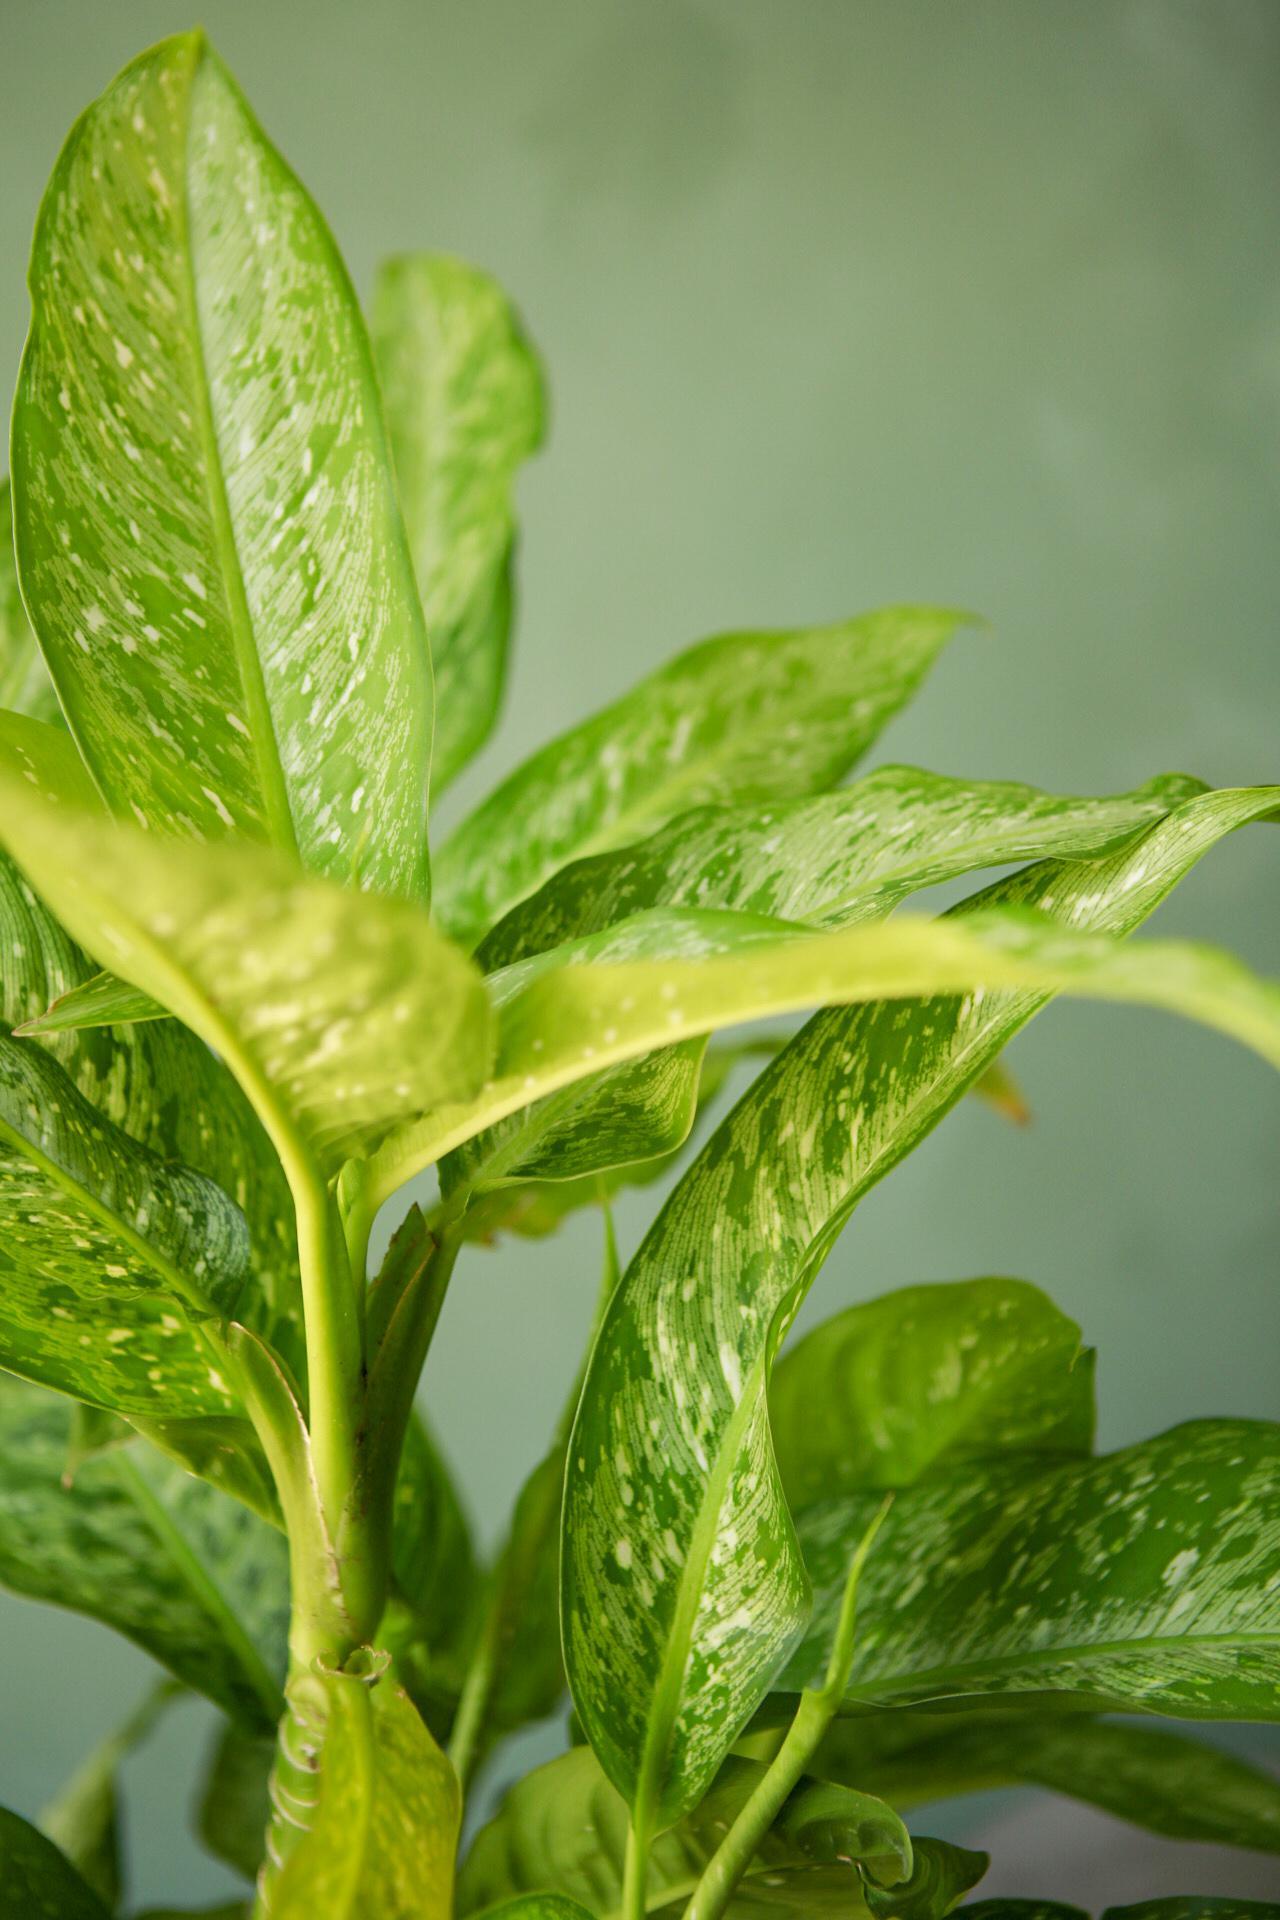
261, 561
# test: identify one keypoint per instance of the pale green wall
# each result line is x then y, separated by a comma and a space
843, 301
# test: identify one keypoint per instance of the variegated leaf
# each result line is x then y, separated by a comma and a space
339, 1013
207, 526
740, 718
1146, 1580
674, 1510
136, 1542
464, 405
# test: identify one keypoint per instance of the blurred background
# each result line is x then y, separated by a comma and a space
842, 302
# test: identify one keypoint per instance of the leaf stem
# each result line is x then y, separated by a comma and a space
813, 1716
635, 1873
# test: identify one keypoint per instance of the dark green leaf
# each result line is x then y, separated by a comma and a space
339, 1013
234, 1804
744, 717
926, 1377
192, 1577
36, 1883
674, 1509
464, 405
1193, 1907
1019, 1910
433, 1555
1156, 1778
1146, 1580
564, 1826
941, 1873
25, 686
206, 519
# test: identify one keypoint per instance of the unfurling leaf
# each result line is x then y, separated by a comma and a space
464, 406
205, 510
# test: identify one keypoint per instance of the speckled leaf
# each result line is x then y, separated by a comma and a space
1158, 1779
683, 1587
839, 860
166, 1090
923, 1378
25, 686
339, 1013
193, 1578
563, 1827
36, 1882
464, 406
100, 1233
836, 860
1144, 1581
382, 1842
740, 718
207, 527
99, 1001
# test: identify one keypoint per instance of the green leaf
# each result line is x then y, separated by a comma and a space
164, 1088
926, 1377
1144, 1581
839, 860
235, 1805
100, 1001
1158, 1779
1019, 1910
836, 860
206, 519
194, 1579
1193, 1907
36, 1882
338, 1013
673, 1496
742, 718
564, 1827
464, 405
385, 1828
941, 1873
673, 973
25, 686
539, 1906
83, 1820
433, 1555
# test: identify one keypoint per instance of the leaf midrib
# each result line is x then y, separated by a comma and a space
266, 750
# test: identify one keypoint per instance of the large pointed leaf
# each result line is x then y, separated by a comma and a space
924, 1377
35, 1879
1148, 1580
25, 686
839, 860
740, 718
338, 1012
207, 526
563, 1828
835, 860
1154, 1777
674, 1509
464, 406
385, 1828
134, 1541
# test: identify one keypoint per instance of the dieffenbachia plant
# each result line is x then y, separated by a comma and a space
254, 610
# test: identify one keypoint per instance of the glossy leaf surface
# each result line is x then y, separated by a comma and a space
1154, 1777
926, 1377
36, 1882
1143, 1581
464, 406
25, 686
675, 1512
338, 1012
385, 1829
739, 718
563, 1827
206, 519
195, 1579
